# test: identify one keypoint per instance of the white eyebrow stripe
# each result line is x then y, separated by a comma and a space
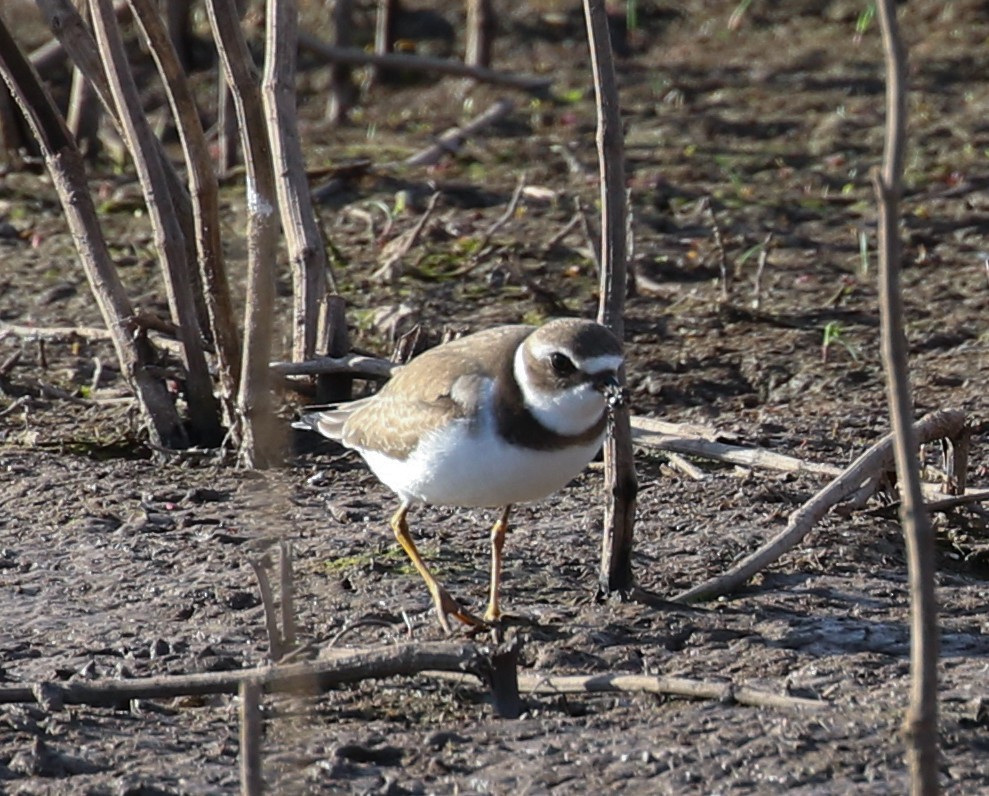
601, 363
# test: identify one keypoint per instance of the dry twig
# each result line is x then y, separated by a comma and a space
203, 408
417, 63
482, 245
669, 437
449, 142
944, 423
719, 247
396, 249
258, 432
68, 176
760, 269
724, 692
309, 677
307, 254
620, 483
276, 646
214, 289
920, 722
250, 739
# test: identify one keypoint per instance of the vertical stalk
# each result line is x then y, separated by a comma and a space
920, 723
620, 481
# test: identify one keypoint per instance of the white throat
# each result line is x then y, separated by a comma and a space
569, 412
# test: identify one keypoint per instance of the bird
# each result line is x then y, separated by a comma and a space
505, 415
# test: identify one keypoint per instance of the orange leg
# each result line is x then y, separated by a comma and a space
497, 543
445, 604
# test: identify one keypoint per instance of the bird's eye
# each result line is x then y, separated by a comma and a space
562, 364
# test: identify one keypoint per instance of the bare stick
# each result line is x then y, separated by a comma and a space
384, 35
276, 646
12, 138
647, 431
697, 441
480, 33
169, 237
620, 482
309, 677
227, 143
565, 230
397, 248
503, 678
591, 234
439, 660
920, 722
307, 254
419, 63
259, 433
333, 340
485, 239
760, 269
9, 364
957, 466
68, 176
719, 247
450, 141
505, 217
83, 114
74, 36
52, 54
342, 90
250, 739
685, 466
946, 422
204, 192
725, 692
54, 333
286, 590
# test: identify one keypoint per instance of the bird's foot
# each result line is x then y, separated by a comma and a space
446, 606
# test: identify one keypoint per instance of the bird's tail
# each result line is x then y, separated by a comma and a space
328, 420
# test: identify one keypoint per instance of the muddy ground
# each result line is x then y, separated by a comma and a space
115, 564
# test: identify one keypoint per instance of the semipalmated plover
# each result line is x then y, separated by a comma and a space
503, 416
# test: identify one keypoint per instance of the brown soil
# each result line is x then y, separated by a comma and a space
114, 565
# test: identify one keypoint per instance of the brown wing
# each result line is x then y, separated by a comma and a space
438, 385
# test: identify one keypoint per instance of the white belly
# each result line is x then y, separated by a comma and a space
459, 468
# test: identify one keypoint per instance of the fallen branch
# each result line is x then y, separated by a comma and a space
944, 423
954, 501
725, 692
720, 691
685, 466
93, 334
59, 334
565, 230
668, 437
309, 677
683, 439
418, 63
450, 142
